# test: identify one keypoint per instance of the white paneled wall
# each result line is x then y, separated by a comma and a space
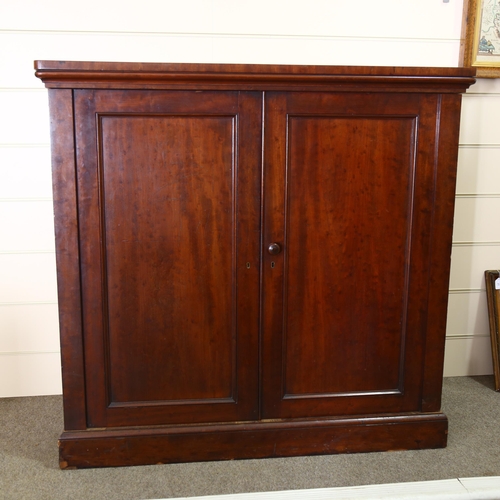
364, 32
476, 235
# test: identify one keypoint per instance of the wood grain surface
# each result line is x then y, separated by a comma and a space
253, 261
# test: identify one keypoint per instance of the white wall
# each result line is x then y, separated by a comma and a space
476, 236
362, 32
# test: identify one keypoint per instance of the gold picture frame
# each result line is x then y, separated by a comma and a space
481, 37
493, 297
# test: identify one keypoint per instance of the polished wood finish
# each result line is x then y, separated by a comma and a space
118, 447
349, 165
252, 260
170, 217
71, 74
64, 190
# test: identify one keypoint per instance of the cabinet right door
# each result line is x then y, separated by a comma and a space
348, 197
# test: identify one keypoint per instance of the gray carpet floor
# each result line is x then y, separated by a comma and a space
29, 429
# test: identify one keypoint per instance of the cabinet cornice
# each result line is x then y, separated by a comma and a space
73, 74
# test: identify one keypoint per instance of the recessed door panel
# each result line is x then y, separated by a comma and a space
173, 220
347, 227
168, 256
342, 323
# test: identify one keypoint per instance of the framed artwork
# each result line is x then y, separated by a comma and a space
492, 279
481, 37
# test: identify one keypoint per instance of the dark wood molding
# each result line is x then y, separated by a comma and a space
113, 448
62, 74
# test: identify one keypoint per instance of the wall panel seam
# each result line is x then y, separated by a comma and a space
20, 145
23, 89
467, 336
472, 145
22, 200
30, 303
16, 353
223, 35
476, 243
478, 195
26, 252
481, 94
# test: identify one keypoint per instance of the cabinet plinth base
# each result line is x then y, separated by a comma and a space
155, 445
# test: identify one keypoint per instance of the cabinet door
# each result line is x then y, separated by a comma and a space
349, 192
169, 221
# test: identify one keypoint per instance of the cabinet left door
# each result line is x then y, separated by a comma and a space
169, 213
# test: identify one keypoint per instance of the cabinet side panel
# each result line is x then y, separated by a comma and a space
445, 167
67, 255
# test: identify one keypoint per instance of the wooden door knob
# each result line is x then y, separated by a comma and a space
274, 249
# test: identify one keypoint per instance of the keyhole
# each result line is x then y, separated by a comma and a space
272, 264
248, 265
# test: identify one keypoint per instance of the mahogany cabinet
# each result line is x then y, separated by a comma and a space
253, 261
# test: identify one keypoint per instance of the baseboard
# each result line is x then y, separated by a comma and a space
265, 439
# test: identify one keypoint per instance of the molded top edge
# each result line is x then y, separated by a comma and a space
113, 74
125, 67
